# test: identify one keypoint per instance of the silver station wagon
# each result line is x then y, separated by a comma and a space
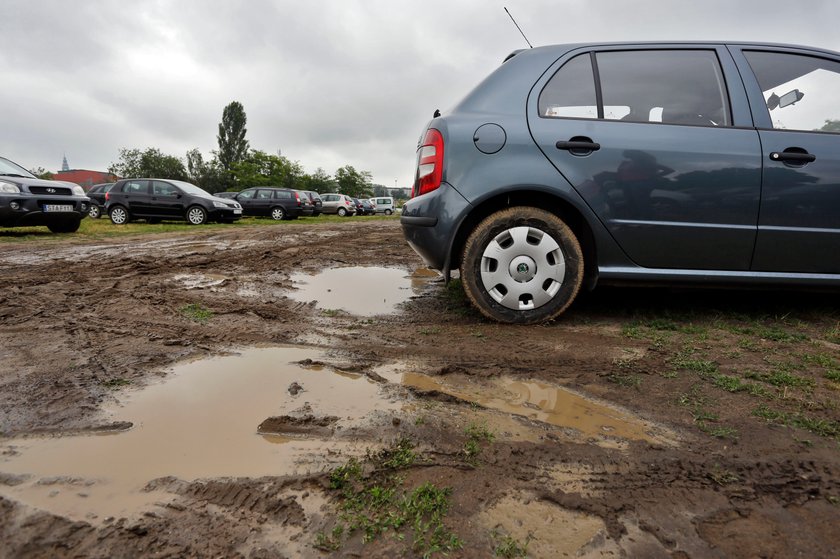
677, 162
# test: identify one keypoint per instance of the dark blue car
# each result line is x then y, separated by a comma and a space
678, 162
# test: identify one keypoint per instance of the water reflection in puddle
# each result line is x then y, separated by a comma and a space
362, 291
200, 423
545, 403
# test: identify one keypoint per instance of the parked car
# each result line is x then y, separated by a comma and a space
339, 204
383, 204
230, 194
159, 199
317, 203
96, 193
307, 208
573, 165
363, 206
266, 201
27, 200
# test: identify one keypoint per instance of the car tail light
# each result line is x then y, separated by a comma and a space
297, 197
107, 196
429, 163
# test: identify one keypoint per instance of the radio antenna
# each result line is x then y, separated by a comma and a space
520, 29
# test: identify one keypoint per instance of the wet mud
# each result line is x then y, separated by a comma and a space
188, 395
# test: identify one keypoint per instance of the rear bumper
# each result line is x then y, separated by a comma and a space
430, 223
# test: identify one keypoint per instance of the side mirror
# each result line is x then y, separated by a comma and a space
789, 98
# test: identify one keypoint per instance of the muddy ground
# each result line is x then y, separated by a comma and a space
727, 403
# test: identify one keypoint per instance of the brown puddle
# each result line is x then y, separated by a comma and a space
548, 404
362, 291
200, 422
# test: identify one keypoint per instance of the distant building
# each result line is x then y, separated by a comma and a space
84, 178
64, 164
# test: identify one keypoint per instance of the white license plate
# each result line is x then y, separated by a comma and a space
237, 211
58, 208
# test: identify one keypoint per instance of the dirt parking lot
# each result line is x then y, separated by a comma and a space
200, 394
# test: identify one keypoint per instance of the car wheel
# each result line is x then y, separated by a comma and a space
522, 265
341, 212
95, 212
278, 213
388, 212
68, 226
196, 215
118, 215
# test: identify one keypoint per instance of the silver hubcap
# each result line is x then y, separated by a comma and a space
118, 216
196, 216
522, 268
94, 211
277, 214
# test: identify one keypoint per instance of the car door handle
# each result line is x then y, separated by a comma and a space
795, 157
578, 145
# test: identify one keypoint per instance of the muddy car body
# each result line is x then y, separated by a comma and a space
672, 162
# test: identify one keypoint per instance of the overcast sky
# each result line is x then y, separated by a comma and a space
327, 82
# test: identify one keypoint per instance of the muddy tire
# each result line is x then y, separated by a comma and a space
118, 215
94, 212
522, 265
278, 213
196, 215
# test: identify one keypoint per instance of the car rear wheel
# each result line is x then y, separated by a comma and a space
196, 215
95, 212
278, 213
341, 212
118, 215
522, 265
388, 212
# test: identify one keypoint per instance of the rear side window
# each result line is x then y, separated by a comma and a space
246, 194
283, 194
800, 92
669, 86
263, 194
163, 189
135, 187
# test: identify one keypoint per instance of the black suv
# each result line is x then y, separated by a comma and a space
159, 199
96, 193
27, 200
277, 203
572, 165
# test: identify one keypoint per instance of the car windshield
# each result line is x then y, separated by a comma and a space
191, 188
11, 169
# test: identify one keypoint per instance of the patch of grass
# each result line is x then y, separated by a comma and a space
781, 378
721, 476
196, 313
330, 312
429, 331
833, 376
685, 361
508, 546
476, 435
373, 502
778, 334
833, 334
720, 432
626, 380
115, 383
748, 344
477, 334
822, 427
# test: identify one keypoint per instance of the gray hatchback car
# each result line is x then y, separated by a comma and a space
677, 162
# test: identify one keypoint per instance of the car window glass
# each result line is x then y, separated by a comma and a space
571, 92
246, 194
263, 194
284, 194
135, 187
670, 86
800, 92
163, 189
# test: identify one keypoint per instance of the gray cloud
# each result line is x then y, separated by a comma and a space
327, 82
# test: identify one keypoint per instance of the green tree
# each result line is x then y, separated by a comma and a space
319, 181
259, 168
358, 184
134, 163
41, 173
831, 126
233, 147
209, 175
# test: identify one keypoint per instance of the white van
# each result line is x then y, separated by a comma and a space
383, 204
